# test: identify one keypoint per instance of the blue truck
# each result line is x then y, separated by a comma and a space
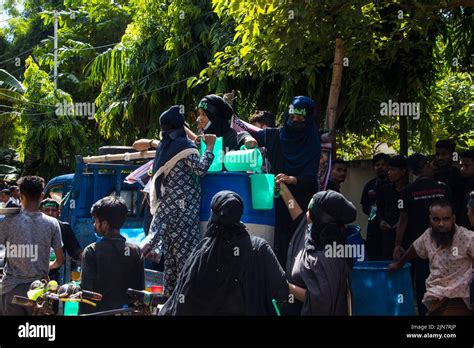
78, 191
92, 181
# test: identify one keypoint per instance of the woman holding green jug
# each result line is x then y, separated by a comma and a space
293, 151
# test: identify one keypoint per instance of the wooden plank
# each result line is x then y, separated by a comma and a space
120, 157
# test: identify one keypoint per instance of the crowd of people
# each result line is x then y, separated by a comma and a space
10, 196
227, 271
404, 217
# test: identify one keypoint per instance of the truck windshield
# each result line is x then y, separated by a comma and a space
134, 202
55, 192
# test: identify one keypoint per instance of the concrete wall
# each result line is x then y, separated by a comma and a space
358, 174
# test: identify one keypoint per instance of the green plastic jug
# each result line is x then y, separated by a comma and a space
263, 189
71, 308
244, 160
216, 165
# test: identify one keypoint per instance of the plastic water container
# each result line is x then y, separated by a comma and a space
216, 165
354, 237
52, 255
260, 223
71, 308
244, 160
263, 191
376, 292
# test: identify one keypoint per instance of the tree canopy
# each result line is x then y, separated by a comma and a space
132, 59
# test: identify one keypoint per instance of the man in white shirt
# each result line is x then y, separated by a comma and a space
450, 249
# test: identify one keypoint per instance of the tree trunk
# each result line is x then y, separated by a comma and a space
334, 91
403, 122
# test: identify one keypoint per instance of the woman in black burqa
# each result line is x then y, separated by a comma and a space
319, 278
229, 272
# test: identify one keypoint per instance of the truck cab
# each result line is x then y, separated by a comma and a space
92, 181
77, 193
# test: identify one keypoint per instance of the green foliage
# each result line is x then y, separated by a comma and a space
51, 141
175, 51
451, 105
10, 92
167, 44
389, 49
9, 83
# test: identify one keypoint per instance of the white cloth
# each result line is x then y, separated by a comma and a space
165, 169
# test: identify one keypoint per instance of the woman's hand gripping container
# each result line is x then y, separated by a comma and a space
262, 185
218, 152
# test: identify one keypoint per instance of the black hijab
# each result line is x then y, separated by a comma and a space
219, 113
208, 279
174, 140
327, 279
329, 211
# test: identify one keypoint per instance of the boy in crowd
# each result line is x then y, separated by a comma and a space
15, 195
450, 250
111, 265
51, 208
338, 175
447, 173
388, 198
467, 171
414, 212
6, 199
35, 234
369, 204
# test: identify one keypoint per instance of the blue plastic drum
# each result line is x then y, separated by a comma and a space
376, 292
260, 223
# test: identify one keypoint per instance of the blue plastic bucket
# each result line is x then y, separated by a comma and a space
260, 223
377, 292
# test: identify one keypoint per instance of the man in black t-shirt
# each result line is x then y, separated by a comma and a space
50, 207
71, 246
338, 175
447, 173
111, 265
369, 205
388, 199
414, 212
467, 171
